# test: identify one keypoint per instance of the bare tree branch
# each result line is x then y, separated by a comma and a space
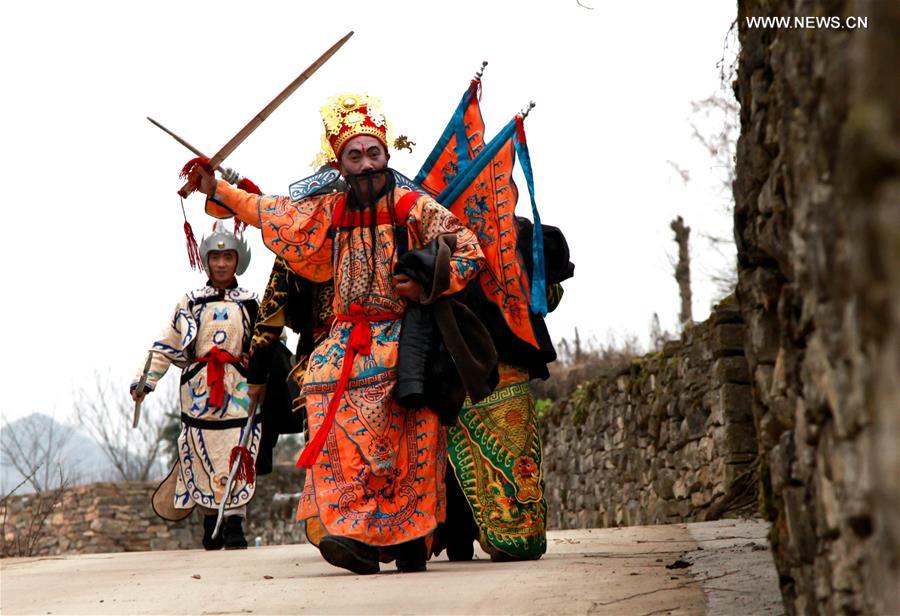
6, 496
683, 269
684, 174
579, 360
26, 537
34, 446
104, 411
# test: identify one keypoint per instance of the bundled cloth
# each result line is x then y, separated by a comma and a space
445, 351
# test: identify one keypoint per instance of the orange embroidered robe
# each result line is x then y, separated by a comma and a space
380, 476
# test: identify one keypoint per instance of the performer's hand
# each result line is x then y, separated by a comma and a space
205, 181
137, 397
407, 287
257, 394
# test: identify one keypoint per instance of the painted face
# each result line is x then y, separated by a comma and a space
222, 264
364, 154
361, 154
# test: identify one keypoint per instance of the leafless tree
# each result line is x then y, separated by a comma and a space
580, 360
35, 446
104, 409
658, 336
715, 125
720, 111
31, 518
683, 270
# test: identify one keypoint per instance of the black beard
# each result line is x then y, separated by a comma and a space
364, 184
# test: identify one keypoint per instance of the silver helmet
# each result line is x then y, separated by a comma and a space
223, 239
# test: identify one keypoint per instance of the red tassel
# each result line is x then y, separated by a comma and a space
186, 173
245, 470
189, 166
239, 226
520, 129
192, 249
248, 186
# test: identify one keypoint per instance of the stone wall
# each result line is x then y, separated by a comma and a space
669, 438
817, 222
117, 517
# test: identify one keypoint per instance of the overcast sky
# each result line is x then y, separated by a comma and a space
94, 251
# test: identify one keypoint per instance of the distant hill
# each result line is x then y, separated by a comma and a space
60, 445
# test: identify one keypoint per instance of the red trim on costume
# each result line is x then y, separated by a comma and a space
360, 341
247, 186
342, 217
215, 362
404, 205
338, 211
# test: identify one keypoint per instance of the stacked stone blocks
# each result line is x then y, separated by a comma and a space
669, 438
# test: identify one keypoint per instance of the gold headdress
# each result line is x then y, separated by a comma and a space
347, 115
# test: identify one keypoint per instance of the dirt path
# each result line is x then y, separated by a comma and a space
598, 571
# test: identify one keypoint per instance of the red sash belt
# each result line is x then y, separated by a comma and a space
215, 362
360, 341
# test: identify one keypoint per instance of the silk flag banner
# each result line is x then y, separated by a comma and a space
483, 196
461, 141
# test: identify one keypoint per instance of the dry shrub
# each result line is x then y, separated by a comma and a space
582, 360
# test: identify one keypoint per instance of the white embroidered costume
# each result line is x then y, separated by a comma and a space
209, 331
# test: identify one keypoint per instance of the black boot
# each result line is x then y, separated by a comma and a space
233, 532
349, 554
209, 525
461, 550
499, 556
410, 556
460, 530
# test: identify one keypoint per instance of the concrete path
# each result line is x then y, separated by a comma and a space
719, 568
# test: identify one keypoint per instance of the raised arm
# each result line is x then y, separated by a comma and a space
298, 232
227, 201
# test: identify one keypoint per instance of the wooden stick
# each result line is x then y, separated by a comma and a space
182, 142
260, 117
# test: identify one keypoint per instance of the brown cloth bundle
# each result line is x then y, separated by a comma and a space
445, 351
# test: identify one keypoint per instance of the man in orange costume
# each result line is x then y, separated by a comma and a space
376, 469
